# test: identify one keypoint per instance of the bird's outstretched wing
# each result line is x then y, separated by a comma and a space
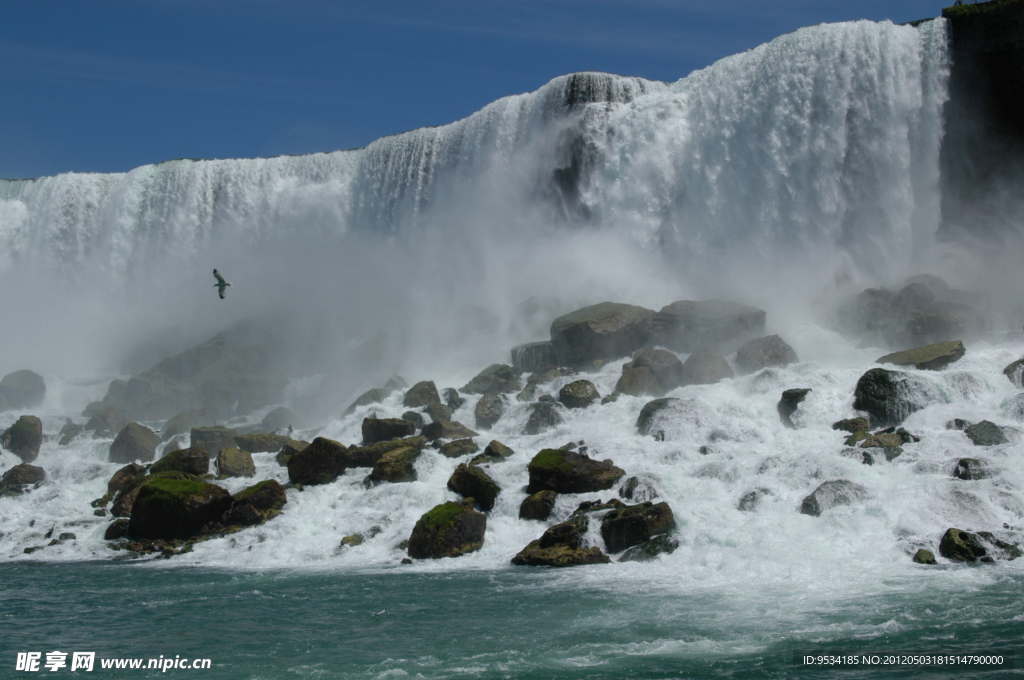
222, 290
220, 279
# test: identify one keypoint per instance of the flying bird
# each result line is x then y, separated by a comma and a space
221, 284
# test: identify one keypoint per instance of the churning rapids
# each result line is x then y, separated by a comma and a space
786, 177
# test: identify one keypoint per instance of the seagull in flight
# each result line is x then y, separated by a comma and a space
221, 284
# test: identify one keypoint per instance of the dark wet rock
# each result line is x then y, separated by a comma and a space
648, 550
998, 549
788, 404
625, 527
22, 389
448, 530
24, 438
971, 469
930, 357
766, 352
21, 477
367, 456
194, 460
750, 500
458, 448
886, 440
323, 461
985, 433
861, 455
526, 358
183, 423
648, 413
69, 431
852, 425
472, 482
494, 452
717, 325
889, 397
261, 442
134, 442
561, 546
242, 516
489, 410
266, 495
447, 429
235, 463
422, 393
539, 505
635, 489
213, 439
398, 465
500, 378
638, 382
923, 556
382, 429
832, 494
117, 529
544, 415
281, 418
176, 508
415, 418
124, 500
291, 447
961, 546
608, 330
453, 400
439, 412
123, 476
705, 368
1015, 373
570, 472
106, 420
578, 394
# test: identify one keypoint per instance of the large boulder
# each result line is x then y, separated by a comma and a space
499, 378
832, 494
123, 476
458, 448
367, 456
383, 429
714, 325
889, 396
789, 403
213, 439
570, 472
260, 442
290, 448
321, 462
134, 442
397, 465
766, 352
539, 505
24, 438
176, 508
20, 477
194, 460
639, 382
608, 330
255, 504
448, 530
666, 366
447, 429
1015, 373
438, 412
422, 393
578, 394
705, 368
645, 422
21, 389
562, 545
489, 410
184, 422
930, 357
472, 482
526, 358
544, 415
235, 463
625, 527
125, 499
985, 433
961, 546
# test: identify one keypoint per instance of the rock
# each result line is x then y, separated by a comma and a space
126, 498
635, 490
24, 438
396, 466
134, 442
526, 358
647, 418
985, 433
882, 440
561, 546
489, 410
493, 453
832, 494
750, 500
20, 477
716, 325
422, 393
625, 527
607, 330
292, 447
22, 389
194, 460
415, 418
705, 368
666, 367
184, 422
788, 404
961, 546
638, 382
578, 394
971, 469
766, 352
235, 463
383, 429
176, 508
570, 472
923, 556
1015, 373
123, 476
650, 549
448, 530
499, 378
321, 462
539, 505
544, 415
117, 529
372, 396
458, 448
242, 516
439, 413
889, 396
281, 418
106, 420
447, 429
261, 442
351, 541
264, 496
453, 400
213, 439
472, 482
69, 431
367, 456
930, 357
852, 425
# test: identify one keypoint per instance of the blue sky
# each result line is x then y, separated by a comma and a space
105, 86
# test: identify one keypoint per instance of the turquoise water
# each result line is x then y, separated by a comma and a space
511, 623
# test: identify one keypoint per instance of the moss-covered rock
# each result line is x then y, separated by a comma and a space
123, 476
260, 442
415, 418
578, 394
438, 413
235, 463
499, 378
266, 495
290, 448
447, 429
930, 357
194, 460
559, 555
570, 472
24, 438
851, 425
453, 400
539, 505
398, 465
494, 452
367, 456
625, 527
961, 546
448, 530
124, 500
422, 393
116, 529
382, 429
323, 461
176, 508
472, 482
923, 556
134, 442
213, 439
458, 448
831, 494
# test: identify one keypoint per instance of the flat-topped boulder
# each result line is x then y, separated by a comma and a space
194, 460
500, 378
125, 499
422, 393
213, 439
770, 351
176, 508
382, 429
625, 527
447, 429
21, 389
930, 357
448, 530
832, 494
714, 325
570, 472
321, 462
134, 442
367, 456
235, 463
24, 438
608, 330
458, 448
472, 482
